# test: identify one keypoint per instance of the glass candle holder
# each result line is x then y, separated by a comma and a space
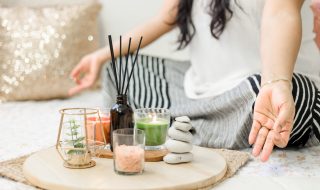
95, 124
98, 129
128, 151
155, 123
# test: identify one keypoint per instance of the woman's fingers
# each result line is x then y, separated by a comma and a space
84, 75
76, 71
281, 138
268, 147
76, 89
254, 131
83, 83
258, 121
81, 86
283, 125
261, 138
80, 68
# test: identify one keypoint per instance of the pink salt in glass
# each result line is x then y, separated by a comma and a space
129, 159
316, 11
128, 151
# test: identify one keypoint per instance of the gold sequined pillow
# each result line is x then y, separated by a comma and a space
39, 46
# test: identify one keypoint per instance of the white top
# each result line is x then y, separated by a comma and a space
219, 65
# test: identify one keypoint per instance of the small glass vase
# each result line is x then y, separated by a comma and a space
121, 116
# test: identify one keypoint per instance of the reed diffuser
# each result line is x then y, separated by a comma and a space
121, 112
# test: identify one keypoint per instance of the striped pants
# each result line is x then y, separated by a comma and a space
223, 121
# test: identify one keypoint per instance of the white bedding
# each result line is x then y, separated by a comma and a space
29, 126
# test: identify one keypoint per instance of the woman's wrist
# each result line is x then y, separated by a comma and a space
103, 55
271, 76
277, 80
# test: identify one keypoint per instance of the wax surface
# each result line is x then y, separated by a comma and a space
155, 131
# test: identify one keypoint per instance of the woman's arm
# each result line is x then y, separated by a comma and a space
274, 107
150, 30
316, 11
87, 71
280, 38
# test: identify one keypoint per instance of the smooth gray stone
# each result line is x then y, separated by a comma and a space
184, 119
179, 135
178, 146
182, 126
173, 158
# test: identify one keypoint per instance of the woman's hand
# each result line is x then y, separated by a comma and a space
87, 71
272, 119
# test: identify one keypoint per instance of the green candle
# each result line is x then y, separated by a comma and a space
155, 130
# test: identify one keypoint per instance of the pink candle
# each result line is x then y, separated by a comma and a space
94, 130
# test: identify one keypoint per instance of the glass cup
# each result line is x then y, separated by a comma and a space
98, 128
128, 151
105, 122
155, 123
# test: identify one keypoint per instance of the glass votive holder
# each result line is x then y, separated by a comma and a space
128, 151
98, 129
105, 122
155, 123
94, 130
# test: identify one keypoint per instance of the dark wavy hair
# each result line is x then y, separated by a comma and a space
219, 10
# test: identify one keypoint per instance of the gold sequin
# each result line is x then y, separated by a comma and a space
39, 46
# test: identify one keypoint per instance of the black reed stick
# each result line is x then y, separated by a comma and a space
134, 62
120, 84
113, 64
120, 66
125, 76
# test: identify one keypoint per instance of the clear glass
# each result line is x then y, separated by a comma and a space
98, 131
94, 127
128, 151
155, 123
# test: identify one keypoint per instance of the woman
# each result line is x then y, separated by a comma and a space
229, 42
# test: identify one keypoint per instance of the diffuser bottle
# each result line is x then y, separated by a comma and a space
121, 112
121, 115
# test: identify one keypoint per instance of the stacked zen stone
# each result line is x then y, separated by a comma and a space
179, 145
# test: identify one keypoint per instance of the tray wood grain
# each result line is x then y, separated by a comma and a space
45, 169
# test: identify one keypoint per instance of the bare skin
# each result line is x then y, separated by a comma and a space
280, 42
281, 33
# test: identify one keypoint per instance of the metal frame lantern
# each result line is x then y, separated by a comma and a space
80, 137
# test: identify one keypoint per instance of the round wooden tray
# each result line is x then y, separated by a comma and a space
45, 169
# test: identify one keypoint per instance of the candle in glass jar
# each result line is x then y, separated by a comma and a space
155, 130
94, 130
